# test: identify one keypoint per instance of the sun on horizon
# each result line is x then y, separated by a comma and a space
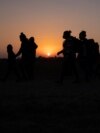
48, 54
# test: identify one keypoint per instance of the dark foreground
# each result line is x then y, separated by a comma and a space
43, 106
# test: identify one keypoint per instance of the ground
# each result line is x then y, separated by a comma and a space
44, 106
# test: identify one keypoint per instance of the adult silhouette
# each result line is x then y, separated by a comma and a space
85, 56
32, 56
24, 52
33, 46
93, 56
69, 55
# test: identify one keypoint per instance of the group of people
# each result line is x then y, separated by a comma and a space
79, 52
28, 56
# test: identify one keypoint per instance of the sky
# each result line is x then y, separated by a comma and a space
46, 20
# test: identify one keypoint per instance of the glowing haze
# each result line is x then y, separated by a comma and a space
46, 20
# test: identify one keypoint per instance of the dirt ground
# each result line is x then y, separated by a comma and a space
44, 106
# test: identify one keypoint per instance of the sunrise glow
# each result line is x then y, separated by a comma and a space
46, 21
48, 54
49, 47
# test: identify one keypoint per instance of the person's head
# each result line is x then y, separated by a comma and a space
22, 37
9, 48
66, 34
82, 35
31, 39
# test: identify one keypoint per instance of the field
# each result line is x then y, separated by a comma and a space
44, 106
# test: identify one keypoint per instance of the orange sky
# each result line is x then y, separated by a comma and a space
46, 20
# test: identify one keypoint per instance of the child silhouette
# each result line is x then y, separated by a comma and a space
12, 66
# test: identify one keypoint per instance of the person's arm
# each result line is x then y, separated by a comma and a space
60, 52
19, 52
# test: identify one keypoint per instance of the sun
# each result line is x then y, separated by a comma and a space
48, 54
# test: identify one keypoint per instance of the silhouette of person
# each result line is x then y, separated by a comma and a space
33, 46
32, 56
85, 55
12, 66
69, 55
93, 56
23, 51
97, 60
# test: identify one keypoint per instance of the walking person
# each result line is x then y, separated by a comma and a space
69, 55
85, 55
32, 57
23, 51
12, 65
